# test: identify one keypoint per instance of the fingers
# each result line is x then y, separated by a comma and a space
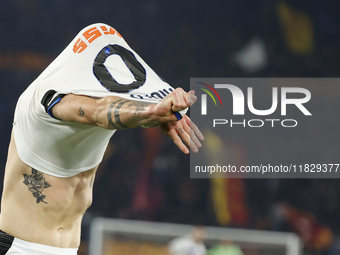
192, 97
191, 138
193, 128
182, 99
184, 134
173, 134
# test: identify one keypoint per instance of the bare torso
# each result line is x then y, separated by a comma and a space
47, 212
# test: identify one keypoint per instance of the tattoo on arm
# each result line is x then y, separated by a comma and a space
139, 107
115, 108
109, 114
118, 121
81, 112
36, 184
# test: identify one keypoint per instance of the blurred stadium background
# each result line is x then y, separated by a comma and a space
144, 176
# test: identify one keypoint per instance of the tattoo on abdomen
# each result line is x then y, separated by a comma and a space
36, 184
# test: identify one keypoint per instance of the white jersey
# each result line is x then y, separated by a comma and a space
98, 63
186, 245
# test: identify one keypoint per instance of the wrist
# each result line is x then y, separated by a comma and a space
151, 118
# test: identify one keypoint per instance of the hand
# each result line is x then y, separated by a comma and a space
184, 132
176, 101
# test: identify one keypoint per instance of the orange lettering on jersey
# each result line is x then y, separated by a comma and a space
105, 30
112, 31
92, 34
79, 46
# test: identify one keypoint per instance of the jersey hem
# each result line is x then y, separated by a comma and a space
31, 159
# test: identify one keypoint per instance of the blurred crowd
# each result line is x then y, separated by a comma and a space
143, 175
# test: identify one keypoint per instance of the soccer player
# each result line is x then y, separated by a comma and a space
190, 244
62, 125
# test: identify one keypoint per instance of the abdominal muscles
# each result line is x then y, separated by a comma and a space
46, 209
40, 208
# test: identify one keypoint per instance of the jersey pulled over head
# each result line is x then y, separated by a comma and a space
97, 63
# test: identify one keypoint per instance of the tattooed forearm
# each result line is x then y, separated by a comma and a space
36, 184
81, 112
139, 107
109, 114
118, 121
115, 109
